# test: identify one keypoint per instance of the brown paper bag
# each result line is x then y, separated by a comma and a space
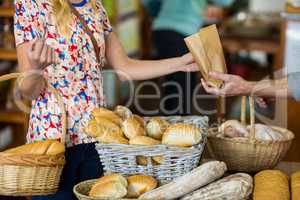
207, 51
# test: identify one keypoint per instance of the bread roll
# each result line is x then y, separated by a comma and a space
266, 133
140, 120
295, 186
109, 138
55, 148
110, 190
123, 112
112, 177
105, 125
144, 140
271, 184
183, 135
140, 184
132, 128
108, 114
234, 129
38, 148
156, 127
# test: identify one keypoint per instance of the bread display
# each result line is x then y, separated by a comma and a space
110, 138
123, 112
266, 133
48, 147
295, 186
183, 135
140, 184
140, 120
199, 177
233, 129
271, 184
156, 127
235, 187
109, 190
108, 114
131, 128
112, 177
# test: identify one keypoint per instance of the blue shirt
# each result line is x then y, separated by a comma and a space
182, 16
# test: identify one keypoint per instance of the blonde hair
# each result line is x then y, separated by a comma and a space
63, 16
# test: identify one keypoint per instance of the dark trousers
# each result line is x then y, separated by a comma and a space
82, 163
169, 44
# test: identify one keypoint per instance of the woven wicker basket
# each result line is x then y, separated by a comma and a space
249, 154
30, 175
176, 161
81, 190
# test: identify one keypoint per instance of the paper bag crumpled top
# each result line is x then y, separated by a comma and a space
207, 51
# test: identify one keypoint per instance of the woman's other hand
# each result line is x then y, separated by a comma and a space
40, 55
233, 85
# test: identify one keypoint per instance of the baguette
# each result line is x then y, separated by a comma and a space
109, 190
132, 128
156, 127
199, 177
235, 187
139, 184
182, 135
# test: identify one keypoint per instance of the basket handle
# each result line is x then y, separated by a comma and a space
252, 115
52, 90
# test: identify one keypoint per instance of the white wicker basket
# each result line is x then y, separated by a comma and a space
176, 161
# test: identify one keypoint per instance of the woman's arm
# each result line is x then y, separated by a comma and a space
33, 57
235, 85
130, 69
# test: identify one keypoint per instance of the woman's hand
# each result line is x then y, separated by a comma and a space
188, 63
40, 55
233, 85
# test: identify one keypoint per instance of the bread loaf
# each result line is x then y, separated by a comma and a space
140, 120
132, 128
156, 127
233, 129
139, 184
271, 184
99, 126
108, 114
266, 133
147, 141
235, 187
183, 135
295, 186
110, 138
199, 177
112, 177
48, 147
109, 190
123, 112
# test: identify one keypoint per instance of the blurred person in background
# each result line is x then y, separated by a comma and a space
173, 20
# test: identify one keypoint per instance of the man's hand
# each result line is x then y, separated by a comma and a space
233, 85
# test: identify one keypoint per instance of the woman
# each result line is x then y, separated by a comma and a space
175, 20
51, 39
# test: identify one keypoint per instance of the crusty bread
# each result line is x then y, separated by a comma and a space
140, 120
140, 184
108, 114
109, 190
112, 177
156, 127
143, 140
183, 135
123, 112
48, 147
132, 128
110, 138
92, 128
105, 125
55, 148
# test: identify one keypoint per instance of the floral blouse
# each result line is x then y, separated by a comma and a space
77, 77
